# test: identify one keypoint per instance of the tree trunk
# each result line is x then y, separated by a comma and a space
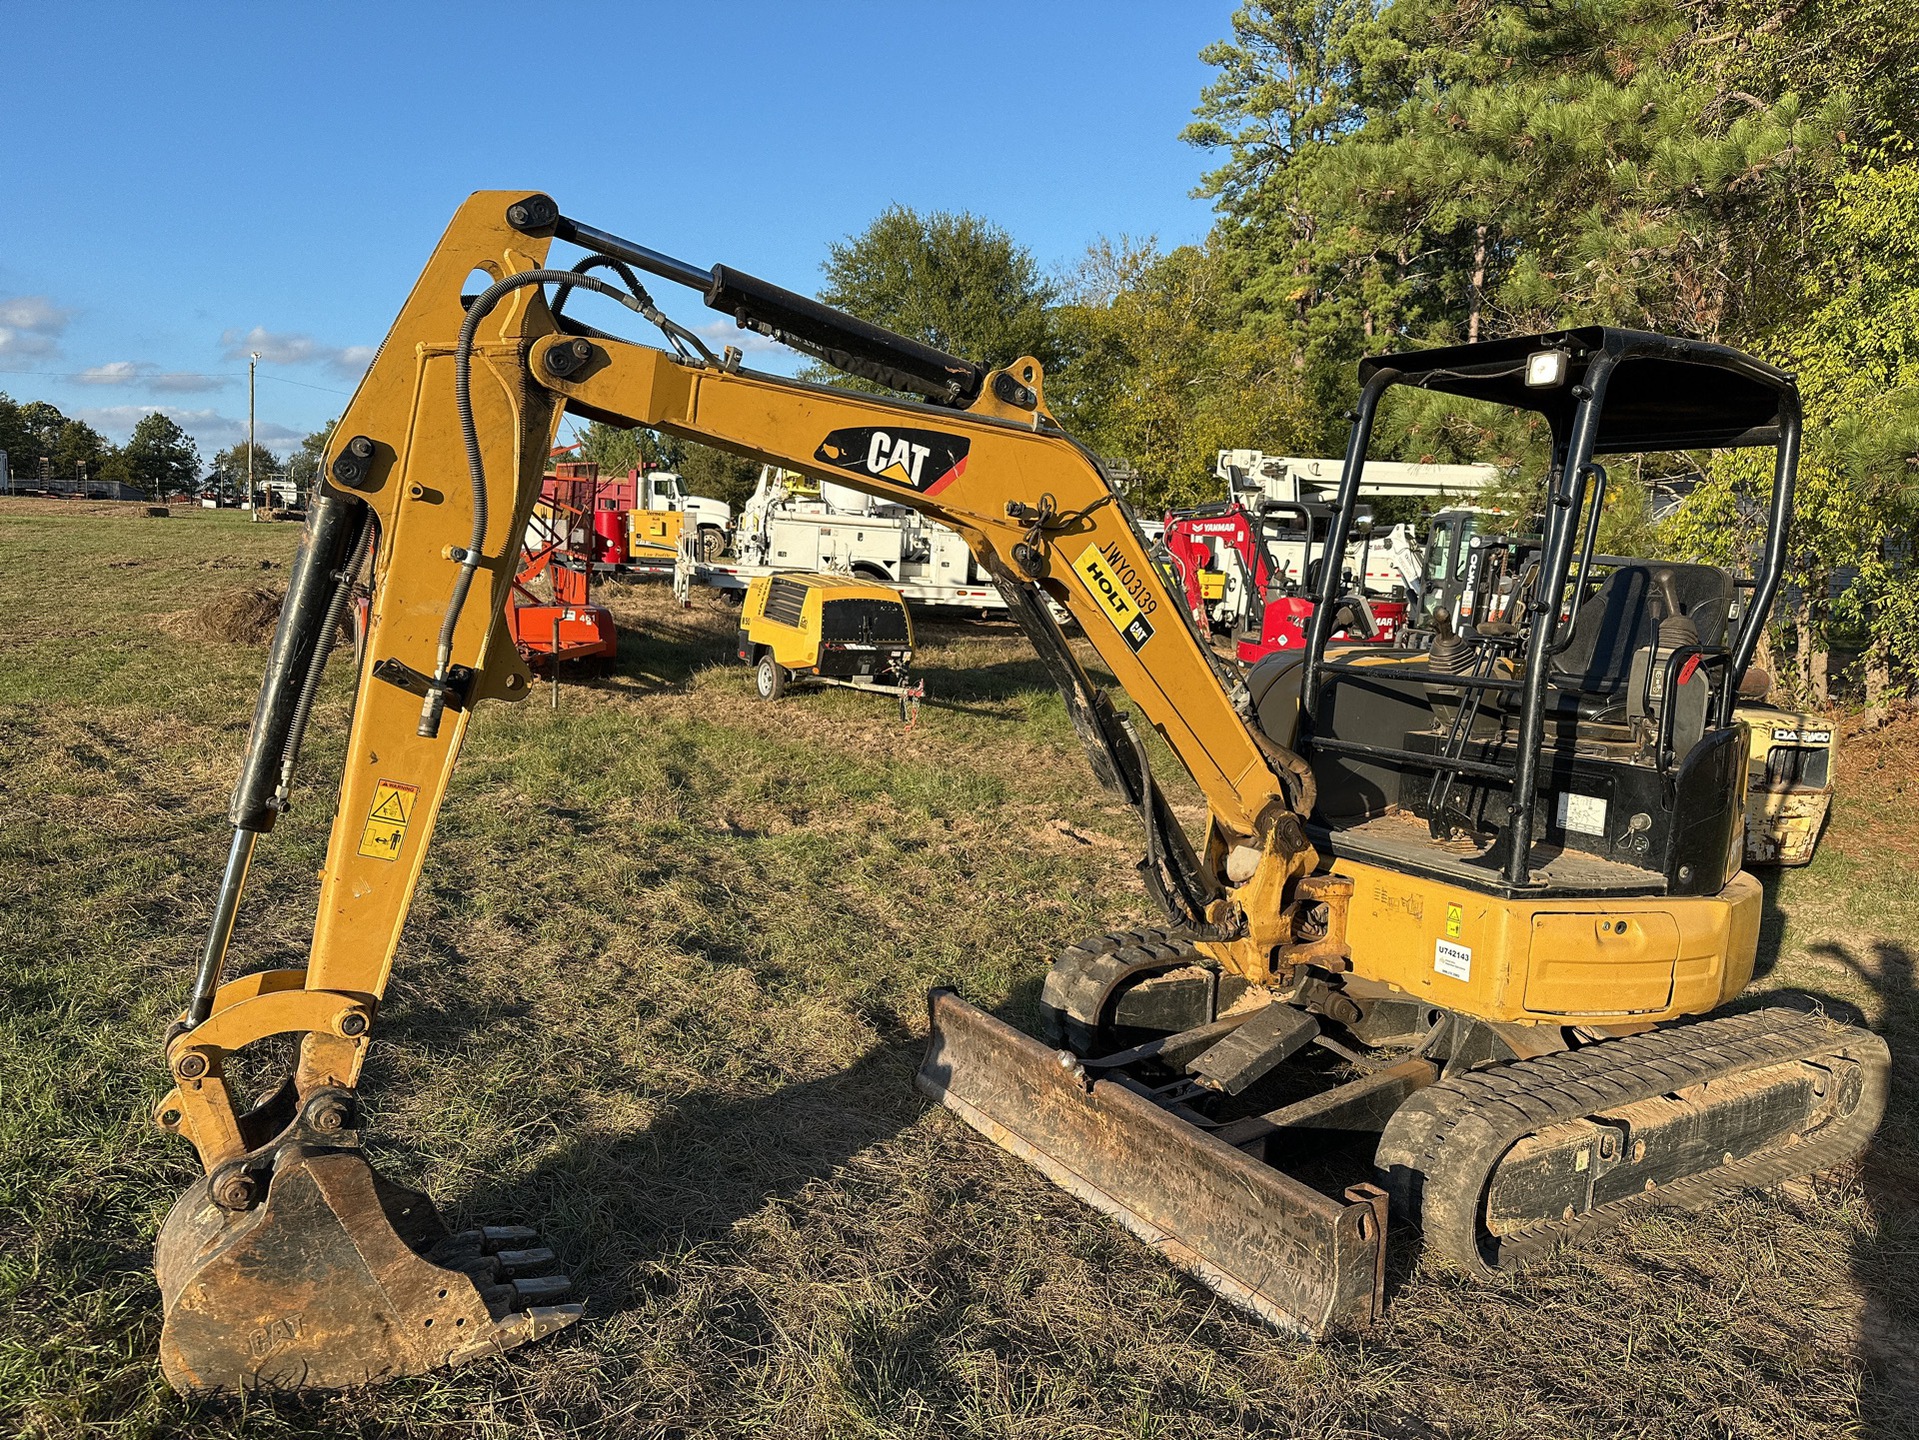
1802, 643
1878, 680
1819, 662
1479, 285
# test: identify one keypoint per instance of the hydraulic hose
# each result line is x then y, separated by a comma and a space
316, 667
434, 705
600, 262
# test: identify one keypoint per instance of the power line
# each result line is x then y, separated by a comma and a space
75, 377
282, 380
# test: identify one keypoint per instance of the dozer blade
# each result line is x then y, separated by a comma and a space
1260, 1238
339, 1277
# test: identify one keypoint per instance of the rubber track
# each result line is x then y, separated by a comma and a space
1084, 977
1440, 1148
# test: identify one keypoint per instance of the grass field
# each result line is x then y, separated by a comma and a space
662, 996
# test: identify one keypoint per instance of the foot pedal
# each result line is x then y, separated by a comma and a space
1270, 1038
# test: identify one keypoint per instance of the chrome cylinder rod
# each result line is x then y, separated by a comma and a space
213, 962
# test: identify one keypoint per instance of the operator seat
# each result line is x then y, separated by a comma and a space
1590, 677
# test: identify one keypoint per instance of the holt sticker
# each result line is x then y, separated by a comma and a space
1119, 592
387, 819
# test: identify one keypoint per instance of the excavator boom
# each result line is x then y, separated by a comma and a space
292, 1261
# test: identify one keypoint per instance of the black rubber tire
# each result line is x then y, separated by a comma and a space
770, 678
712, 544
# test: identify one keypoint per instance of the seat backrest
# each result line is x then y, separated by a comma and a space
1621, 617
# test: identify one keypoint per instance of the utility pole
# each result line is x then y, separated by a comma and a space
252, 360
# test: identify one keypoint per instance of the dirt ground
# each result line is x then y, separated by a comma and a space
662, 996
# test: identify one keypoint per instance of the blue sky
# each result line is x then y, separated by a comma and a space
182, 183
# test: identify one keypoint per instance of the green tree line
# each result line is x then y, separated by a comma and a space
159, 457
1423, 172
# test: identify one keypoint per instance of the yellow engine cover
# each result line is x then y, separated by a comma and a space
1553, 961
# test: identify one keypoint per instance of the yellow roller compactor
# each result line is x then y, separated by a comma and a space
1435, 967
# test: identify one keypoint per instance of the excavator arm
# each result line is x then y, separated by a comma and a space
292, 1260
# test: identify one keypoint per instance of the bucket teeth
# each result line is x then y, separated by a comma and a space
494, 1236
480, 1269
522, 1326
455, 1249
525, 1262
535, 1289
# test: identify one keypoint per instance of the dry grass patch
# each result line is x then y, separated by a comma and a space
662, 995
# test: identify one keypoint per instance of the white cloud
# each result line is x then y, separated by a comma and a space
151, 378
31, 325
210, 430
721, 333
114, 372
286, 347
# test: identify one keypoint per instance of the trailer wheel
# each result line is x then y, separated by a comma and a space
770, 678
712, 544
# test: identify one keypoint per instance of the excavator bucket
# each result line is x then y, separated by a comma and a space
339, 1277
1260, 1238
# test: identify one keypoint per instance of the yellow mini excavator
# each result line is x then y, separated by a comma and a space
1434, 963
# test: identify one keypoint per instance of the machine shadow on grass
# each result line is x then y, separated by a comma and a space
1881, 1259
1888, 1171
616, 1206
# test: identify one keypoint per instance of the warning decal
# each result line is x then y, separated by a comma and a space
386, 822
1454, 914
1119, 592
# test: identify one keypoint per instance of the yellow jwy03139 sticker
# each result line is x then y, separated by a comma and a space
1120, 592
387, 820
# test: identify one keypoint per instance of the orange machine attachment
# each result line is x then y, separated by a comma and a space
561, 543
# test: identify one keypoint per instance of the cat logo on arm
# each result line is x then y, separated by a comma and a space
922, 460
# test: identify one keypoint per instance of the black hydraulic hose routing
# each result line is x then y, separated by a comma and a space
600, 262
434, 706
678, 334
